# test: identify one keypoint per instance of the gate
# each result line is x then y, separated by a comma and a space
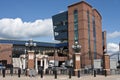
115, 63
89, 64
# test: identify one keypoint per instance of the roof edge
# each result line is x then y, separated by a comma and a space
80, 3
98, 13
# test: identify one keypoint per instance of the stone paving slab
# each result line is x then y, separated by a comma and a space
61, 77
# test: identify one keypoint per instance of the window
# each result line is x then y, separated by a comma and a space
75, 25
94, 35
56, 33
88, 17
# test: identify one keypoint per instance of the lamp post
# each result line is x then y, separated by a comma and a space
76, 47
55, 64
119, 57
30, 44
30, 55
76, 60
104, 65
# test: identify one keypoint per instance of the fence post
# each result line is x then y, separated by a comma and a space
41, 71
70, 73
94, 73
105, 73
78, 73
55, 74
19, 72
3, 72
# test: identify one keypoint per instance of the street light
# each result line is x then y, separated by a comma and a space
104, 69
119, 55
76, 47
119, 58
55, 71
30, 44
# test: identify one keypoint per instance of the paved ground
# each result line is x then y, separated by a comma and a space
61, 77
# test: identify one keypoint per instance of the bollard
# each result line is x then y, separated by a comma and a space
78, 73
70, 73
3, 72
94, 73
11, 71
105, 73
26, 72
19, 72
41, 72
55, 74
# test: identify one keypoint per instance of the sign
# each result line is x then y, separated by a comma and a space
31, 56
77, 58
97, 63
113, 64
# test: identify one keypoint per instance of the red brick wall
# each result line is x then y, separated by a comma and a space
31, 60
83, 30
6, 52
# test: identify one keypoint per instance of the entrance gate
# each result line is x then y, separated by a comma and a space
115, 63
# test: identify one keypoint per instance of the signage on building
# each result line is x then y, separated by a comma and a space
77, 58
31, 56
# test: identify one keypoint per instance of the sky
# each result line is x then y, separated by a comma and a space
26, 19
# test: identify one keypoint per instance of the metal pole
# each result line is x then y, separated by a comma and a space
70, 72
119, 46
55, 71
118, 56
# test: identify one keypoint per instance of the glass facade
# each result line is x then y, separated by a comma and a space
76, 25
60, 26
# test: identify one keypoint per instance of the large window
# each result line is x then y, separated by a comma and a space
75, 25
94, 35
88, 19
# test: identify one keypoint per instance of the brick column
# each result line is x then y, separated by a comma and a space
106, 64
77, 63
31, 59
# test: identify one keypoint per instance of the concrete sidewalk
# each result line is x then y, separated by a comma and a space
61, 77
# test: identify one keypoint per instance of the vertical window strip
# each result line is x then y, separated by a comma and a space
88, 17
75, 25
94, 35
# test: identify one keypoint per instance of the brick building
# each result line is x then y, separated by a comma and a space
80, 23
83, 24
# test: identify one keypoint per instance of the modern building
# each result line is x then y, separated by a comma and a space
83, 24
80, 23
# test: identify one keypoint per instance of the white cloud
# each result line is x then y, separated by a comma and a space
113, 34
17, 29
112, 48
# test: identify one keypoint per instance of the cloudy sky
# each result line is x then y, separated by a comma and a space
25, 19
